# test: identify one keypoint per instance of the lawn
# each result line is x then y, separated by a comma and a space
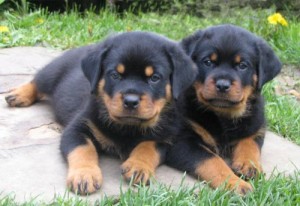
72, 29
276, 191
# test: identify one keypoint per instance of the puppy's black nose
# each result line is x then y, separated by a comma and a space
131, 101
223, 85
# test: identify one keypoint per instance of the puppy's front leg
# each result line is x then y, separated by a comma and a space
216, 172
142, 162
190, 156
84, 174
246, 156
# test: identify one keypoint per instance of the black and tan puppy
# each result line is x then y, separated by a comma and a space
133, 78
224, 109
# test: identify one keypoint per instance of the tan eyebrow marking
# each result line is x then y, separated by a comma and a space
149, 71
121, 68
237, 59
213, 57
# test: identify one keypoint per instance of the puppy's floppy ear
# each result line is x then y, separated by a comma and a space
269, 65
190, 43
91, 65
184, 70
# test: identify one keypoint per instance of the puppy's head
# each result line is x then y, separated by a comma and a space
233, 65
136, 74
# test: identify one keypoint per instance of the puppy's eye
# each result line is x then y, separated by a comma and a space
208, 62
242, 66
115, 75
155, 78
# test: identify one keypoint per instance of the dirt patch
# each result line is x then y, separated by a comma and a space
289, 81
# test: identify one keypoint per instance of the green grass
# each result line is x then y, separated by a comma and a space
74, 29
283, 113
277, 190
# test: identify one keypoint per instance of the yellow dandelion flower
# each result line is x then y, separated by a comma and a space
40, 20
5, 39
283, 22
277, 18
90, 29
272, 19
4, 29
128, 28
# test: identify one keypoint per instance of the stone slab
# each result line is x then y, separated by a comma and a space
25, 60
31, 164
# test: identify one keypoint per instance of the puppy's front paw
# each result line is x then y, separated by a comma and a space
247, 168
137, 171
84, 180
246, 158
239, 186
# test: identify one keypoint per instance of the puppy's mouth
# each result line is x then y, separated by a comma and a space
134, 120
223, 103
219, 102
131, 120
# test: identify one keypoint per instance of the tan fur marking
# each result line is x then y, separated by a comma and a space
83, 156
101, 86
105, 143
148, 108
246, 156
246, 151
216, 172
236, 91
23, 96
168, 92
149, 71
142, 162
158, 107
121, 68
204, 134
207, 91
240, 109
214, 57
84, 174
151, 109
237, 59
255, 79
114, 105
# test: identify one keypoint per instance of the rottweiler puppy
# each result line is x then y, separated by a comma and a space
114, 97
224, 109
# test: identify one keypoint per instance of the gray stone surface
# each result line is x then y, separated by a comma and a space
30, 162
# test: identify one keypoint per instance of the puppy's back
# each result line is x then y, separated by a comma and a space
59, 80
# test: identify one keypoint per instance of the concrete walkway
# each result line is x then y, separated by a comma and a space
30, 162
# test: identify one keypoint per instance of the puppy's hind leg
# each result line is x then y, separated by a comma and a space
23, 96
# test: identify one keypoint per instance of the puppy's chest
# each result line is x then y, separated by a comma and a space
121, 141
227, 132
219, 135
